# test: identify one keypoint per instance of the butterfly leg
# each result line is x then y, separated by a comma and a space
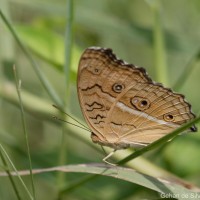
108, 156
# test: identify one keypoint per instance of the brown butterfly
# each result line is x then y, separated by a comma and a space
122, 105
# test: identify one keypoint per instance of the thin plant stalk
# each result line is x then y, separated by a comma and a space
68, 48
10, 176
159, 44
14, 168
67, 66
18, 87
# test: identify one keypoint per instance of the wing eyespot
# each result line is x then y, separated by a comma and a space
168, 117
140, 103
94, 69
117, 87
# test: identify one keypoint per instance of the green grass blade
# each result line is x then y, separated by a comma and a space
159, 44
18, 87
52, 93
160, 141
67, 66
68, 47
164, 186
10, 176
17, 174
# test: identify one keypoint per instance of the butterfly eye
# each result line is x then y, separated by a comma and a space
140, 103
117, 87
168, 117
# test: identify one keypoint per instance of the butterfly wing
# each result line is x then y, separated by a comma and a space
122, 105
153, 110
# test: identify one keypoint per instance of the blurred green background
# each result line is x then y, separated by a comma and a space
131, 29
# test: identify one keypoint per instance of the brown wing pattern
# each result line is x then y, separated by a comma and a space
122, 105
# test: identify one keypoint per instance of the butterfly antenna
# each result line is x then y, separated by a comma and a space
62, 120
69, 117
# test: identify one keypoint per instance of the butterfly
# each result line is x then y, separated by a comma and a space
121, 104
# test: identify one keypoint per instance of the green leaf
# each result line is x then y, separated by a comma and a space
47, 45
163, 186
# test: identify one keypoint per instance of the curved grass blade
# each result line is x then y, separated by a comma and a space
161, 185
160, 141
